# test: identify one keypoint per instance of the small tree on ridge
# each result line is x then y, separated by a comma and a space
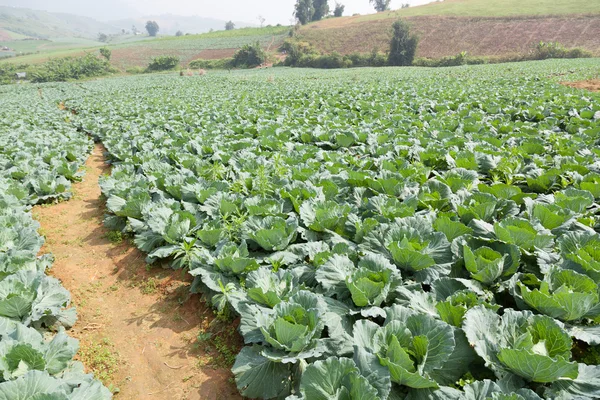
403, 45
152, 28
381, 5
304, 11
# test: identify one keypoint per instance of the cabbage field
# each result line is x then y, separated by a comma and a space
381, 234
40, 155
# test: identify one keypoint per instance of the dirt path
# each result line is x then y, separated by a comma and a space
138, 327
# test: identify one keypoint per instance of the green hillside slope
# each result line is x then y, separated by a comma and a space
18, 22
495, 8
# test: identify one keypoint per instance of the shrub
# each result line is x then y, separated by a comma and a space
68, 68
163, 63
249, 56
450, 61
135, 70
403, 45
8, 72
224, 63
545, 50
106, 53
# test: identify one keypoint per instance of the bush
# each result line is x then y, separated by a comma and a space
68, 68
135, 70
249, 56
163, 63
403, 45
106, 53
545, 50
224, 63
451, 61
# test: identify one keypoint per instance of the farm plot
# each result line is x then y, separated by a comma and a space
394, 233
379, 234
40, 156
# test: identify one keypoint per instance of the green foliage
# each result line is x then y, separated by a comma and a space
106, 53
229, 26
321, 8
545, 50
249, 56
135, 70
152, 28
381, 5
304, 11
542, 51
403, 45
222, 63
163, 63
339, 9
393, 233
42, 155
69, 68
303, 55
178, 33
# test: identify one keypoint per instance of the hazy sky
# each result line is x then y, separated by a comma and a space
275, 11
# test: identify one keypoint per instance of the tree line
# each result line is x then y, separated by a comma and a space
306, 11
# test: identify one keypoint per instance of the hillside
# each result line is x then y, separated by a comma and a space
20, 23
494, 8
479, 27
442, 36
170, 24
491, 28
138, 52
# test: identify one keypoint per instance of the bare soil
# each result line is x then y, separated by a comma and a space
142, 55
592, 85
138, 326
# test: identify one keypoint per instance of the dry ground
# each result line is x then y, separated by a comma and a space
593, 85
138, 326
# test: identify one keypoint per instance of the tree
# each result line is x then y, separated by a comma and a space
152, 28
405, 5
262, 20
179, 33
339, 9
304, 10
249, 56
403, 45
381, 5
321, 9
134, 30
102, 37
229, 26
106, 53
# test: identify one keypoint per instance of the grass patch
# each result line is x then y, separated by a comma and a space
149, 286
101, 358
493, 8
114, 237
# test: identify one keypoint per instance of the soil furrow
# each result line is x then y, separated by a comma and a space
138, 326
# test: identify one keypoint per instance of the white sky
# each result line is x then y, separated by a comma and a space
275, 11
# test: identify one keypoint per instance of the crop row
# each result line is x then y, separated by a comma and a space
40, 155
382, 234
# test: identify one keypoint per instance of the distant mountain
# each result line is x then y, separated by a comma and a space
169, 24
104, 10
22, 22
